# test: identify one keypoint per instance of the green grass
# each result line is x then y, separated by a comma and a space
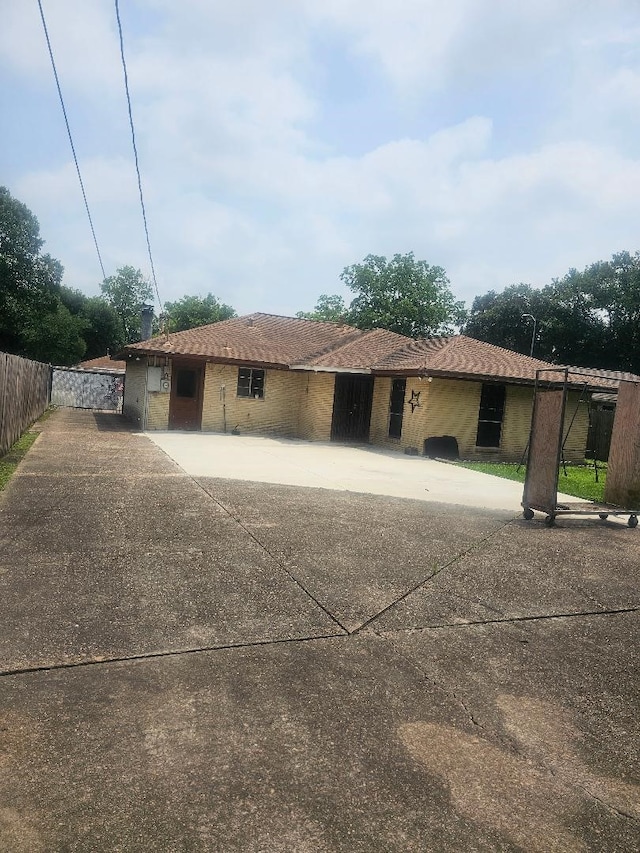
579, 482
18, 451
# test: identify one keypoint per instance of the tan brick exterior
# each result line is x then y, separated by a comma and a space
316, 406
451, 407
379, 428
158, 410
300, 405
276, 413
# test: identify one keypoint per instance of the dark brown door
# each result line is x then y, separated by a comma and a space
185, 405
352, 407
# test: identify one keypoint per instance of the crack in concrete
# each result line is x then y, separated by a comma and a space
605, 804
413, 663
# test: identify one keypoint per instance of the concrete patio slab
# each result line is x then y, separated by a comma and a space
360, 744
526, 571
187, 665
362, 469
357, 553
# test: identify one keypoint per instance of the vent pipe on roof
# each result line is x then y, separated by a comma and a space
147, 322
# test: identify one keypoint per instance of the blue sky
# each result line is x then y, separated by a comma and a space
281, 141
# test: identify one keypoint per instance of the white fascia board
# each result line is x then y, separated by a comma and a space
315, 369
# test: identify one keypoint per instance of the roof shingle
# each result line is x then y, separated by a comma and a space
289, 342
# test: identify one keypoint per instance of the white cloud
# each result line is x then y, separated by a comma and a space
483, 167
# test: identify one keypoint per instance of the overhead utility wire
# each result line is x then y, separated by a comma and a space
66, 121
135, 153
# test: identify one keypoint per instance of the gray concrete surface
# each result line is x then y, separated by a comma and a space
362, 469
217, 665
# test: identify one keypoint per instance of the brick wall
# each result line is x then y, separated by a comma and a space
316, 406
158, 410
275, 414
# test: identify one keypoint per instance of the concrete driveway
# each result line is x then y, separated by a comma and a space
361, 469
207, 664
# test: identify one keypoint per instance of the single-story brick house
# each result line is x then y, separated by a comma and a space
265, 374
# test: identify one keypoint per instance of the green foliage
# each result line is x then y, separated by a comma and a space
497, 317
127, 292
329, 309
589, 318
11, 460
579, 481
34, 322
404, 295
56, 336
102, 329
192, 311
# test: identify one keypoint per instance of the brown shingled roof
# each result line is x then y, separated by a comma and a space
256, 338
288, 342
461, 356
103, 362
358, 353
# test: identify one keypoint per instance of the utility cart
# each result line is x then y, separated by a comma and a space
551, 425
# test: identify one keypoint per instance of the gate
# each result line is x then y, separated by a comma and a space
352, 401
87, 389
599, 437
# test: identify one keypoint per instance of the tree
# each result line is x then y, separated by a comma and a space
102, 327
328, 308
587, 319
127, 292
613, 289
192, 311
29, 281
403, 295
55, 336
497, 318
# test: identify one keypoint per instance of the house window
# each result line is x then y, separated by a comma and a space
490, 415
396, 407
251, 382
186, 383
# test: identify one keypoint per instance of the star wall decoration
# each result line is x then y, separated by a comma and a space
414, 402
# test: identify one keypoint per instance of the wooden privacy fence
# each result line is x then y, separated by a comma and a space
25, 389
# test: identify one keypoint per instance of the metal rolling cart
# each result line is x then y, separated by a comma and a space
548, 438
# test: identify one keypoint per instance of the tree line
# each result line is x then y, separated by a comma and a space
42, 319
589, 318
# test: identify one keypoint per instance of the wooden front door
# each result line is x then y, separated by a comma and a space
185, 404
352, 401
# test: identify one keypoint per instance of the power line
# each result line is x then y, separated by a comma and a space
66, 121
135, 153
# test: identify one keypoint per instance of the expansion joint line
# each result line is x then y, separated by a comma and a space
275, 559
512, 620
476, 545
172, 653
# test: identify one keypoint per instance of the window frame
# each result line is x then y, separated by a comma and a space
491, 416
256, 383
396, 418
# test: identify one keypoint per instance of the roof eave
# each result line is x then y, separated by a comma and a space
314, 368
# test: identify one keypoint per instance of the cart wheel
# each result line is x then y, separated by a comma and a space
527, 513
550, 520
633, 521
603, 515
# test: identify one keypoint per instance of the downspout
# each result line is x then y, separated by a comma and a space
223, 397
145, 408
